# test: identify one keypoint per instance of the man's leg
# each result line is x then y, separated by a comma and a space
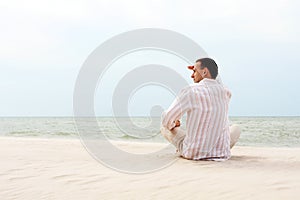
235, 132
175, 137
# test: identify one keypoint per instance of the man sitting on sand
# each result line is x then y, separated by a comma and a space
208, 135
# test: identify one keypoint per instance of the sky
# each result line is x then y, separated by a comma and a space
43, 45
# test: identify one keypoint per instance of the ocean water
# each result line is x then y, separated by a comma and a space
256, 131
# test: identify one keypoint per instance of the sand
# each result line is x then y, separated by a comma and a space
35, 168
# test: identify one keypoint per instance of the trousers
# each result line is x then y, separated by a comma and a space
177, 135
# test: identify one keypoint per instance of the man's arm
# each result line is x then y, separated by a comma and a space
228, 93
171, 117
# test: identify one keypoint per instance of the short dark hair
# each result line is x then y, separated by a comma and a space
210, 64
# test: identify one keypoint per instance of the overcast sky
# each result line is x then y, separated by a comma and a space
43, 45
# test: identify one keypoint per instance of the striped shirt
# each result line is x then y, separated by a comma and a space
206, 104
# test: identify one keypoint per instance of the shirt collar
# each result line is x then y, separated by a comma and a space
209, 81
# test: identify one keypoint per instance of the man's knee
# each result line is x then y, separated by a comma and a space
167, 134
235, 132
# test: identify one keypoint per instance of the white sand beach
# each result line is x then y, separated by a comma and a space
35, 168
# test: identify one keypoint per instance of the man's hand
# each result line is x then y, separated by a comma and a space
177, 123
191, 67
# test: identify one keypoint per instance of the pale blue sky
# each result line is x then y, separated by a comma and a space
44, 43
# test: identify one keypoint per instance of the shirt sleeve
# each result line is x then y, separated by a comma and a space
228, 93
179, 106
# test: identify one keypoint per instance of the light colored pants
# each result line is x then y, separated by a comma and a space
235, 132
176, 136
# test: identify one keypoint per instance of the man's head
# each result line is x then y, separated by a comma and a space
204, 68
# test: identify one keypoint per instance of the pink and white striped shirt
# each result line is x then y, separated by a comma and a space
206, 104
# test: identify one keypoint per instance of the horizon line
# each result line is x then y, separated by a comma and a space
70, 116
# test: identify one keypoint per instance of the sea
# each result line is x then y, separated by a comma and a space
256, 131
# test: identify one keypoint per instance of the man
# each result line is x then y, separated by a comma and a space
208, 135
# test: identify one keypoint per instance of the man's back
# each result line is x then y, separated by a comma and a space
207, 122
206, 104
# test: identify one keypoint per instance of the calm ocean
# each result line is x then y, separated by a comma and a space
256, 131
